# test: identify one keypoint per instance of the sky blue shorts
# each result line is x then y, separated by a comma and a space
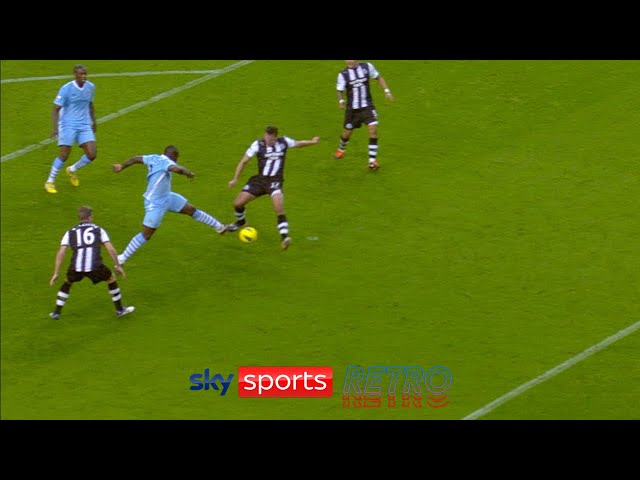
174, 202
68, 135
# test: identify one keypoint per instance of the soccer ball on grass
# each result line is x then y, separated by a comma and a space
248, 234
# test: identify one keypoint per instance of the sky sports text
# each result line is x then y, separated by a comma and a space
285, 382
396, 386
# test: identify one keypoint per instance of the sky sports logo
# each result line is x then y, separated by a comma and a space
270, 382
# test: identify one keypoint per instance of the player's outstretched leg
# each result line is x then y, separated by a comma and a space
204, 217
136, 242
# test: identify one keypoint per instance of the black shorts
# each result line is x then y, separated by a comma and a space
100, 274
259, 185
355, 118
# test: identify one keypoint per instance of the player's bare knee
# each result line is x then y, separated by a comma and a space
188, 209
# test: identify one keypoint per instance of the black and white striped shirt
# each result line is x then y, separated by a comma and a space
271, 159
85, 240
356, 82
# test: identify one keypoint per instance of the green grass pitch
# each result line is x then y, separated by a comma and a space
498, 239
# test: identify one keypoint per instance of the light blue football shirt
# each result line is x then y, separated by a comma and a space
75, 103
158, 177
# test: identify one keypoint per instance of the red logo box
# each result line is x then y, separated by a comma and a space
285, 382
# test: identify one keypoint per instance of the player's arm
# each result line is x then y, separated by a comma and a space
239, 169
341, 86
56, 268
306, 143
118, 167
181, 170
383, 84
55, 117
94, 124
114, 256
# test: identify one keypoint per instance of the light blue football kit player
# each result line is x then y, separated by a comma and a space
74, 121
159, 199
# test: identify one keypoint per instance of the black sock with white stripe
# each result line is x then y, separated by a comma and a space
239, 213
373, 149
63, 295
343, 143
114, 290
283, 226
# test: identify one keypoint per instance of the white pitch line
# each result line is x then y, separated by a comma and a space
121, 74
111, 116
554, 371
